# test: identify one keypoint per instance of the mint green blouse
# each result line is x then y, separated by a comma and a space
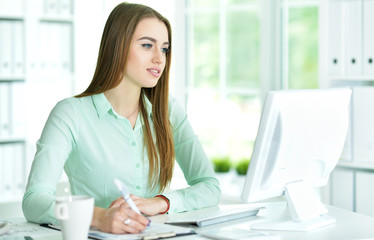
93, 144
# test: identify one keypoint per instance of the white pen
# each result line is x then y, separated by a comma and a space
125, 193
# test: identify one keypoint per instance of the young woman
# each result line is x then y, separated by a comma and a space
126, 126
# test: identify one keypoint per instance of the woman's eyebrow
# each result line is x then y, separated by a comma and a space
152, 40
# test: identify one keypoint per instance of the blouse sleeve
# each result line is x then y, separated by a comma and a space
53, 149
203, 190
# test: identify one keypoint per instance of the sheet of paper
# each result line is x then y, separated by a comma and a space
155, 228
20, 228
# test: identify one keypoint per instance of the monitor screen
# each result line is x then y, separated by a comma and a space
300, 138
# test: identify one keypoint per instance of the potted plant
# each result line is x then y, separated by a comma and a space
242, 166
241, 171
222, 166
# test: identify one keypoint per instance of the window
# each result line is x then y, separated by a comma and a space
224, 80
302, 44
224, 72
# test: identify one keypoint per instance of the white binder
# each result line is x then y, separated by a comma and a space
51, 7
347, 154
5, 48
5, 118
18, 49
18, 97
65, 7
365, 193
65, 48
368, 34
2, 116
49, 47
2, 168
363, 123
335, 56
7, 160
55, 40
353, 37
19, 173
342, 194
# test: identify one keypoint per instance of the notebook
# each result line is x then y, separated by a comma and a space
154, 231
211, 216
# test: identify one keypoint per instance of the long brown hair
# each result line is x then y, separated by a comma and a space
111, 64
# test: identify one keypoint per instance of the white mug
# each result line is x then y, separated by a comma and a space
75, 215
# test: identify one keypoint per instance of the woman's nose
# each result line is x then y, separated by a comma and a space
158, 57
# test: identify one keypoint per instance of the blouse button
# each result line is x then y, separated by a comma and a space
133, 143
138, 187
138, 165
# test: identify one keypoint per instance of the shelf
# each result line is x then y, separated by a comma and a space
11, 140
59, 19
351, 78
11, 79
359, 166
11, 17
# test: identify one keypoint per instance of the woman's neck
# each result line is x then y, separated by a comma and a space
124, 100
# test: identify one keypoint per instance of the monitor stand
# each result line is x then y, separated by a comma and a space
306, 211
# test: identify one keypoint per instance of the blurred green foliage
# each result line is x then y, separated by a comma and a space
221, 164
242, 166
303, 48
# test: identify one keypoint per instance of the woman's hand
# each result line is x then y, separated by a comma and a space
149, 206
118, 220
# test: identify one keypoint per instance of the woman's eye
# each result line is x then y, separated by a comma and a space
165, 50
147, 45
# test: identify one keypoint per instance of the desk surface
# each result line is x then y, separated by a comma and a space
349, 225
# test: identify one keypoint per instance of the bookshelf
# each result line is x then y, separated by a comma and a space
349, 61
36, 70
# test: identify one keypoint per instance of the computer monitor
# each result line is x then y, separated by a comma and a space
299, 142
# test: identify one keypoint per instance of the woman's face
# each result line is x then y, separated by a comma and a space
147, 53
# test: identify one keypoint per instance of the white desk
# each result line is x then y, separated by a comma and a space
349, 225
